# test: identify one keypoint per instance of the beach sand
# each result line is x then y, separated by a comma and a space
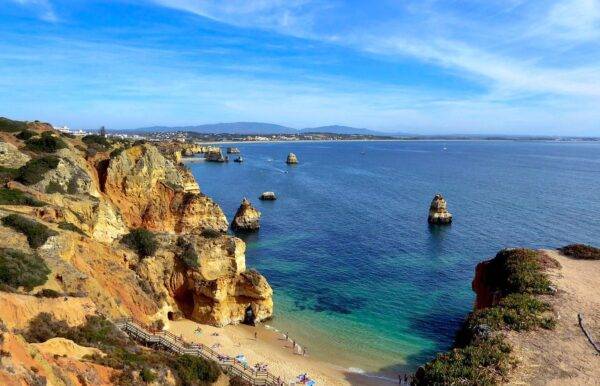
270, 348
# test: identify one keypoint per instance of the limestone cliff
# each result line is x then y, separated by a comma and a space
89, 201
205, 279
153, 193
438, 211
247, 218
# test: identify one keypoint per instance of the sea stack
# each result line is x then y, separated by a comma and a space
268, 196
438, 212
247, 218
291, 159
233, 150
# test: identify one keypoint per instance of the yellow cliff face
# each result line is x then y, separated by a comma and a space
215, 288
101, 197
151, 192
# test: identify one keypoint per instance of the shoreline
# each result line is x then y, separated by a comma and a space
396, 140
273, 349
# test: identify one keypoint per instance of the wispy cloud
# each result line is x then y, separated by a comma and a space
433, 35
43, 9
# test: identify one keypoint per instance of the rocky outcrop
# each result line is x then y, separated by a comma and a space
152, 192
485, 294
233, 150
291, 159
216, 156
438, 212
268, 196
92, 202
207, 280
247, 218
11, 157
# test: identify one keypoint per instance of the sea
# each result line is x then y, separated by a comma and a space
359, 277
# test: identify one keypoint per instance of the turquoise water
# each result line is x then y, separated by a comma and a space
359, 276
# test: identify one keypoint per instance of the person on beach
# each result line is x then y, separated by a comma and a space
286, 336
255, 335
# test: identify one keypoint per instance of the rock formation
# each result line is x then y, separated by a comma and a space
233, 150
291, 159
215, 156
268, 196
95, 199
438, 213
150, 192
247, 217
11, 157
239, 160
206, 280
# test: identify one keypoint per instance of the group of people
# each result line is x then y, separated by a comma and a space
301, 350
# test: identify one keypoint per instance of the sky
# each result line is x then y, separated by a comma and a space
423, 67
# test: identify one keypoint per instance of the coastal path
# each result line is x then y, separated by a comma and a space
175, 344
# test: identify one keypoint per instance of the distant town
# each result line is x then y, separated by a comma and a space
196, 137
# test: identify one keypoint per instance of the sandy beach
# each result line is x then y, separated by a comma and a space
272, 349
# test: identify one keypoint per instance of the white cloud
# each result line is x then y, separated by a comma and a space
502, 65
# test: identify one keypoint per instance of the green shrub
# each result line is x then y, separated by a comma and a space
18, 269
48, 293
581, 251
70, 227
486, 363
116, 152
147, 375
517, 271
34, 170
142, 241
210, 233
237, 381
95, 144
10, 126
519, 312
188, 254
46, 143
192, 369
54, 187
26, 134
16, 197
7, 174
36, 233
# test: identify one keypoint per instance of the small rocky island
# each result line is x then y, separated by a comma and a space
247, 218
233, 150
291, 159
268, 196
438, 211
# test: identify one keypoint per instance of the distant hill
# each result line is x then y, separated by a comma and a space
337, 129
259, 128
227, 128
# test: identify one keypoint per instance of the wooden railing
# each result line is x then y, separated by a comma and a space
175, 344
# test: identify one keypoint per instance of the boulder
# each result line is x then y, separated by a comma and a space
291, 159
246, 218
268, 196
438, 212
233, 150
11, 157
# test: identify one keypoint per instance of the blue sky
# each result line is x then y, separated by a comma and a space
427, 66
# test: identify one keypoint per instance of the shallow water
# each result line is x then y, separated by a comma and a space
359, 276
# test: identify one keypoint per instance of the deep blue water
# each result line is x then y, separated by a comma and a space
359, 276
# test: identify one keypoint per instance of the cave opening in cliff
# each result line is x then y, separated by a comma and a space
249, 316
185, 301
170, 315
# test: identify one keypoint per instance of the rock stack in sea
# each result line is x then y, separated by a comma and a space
268, 196
438, 212
247, 218
291, 159
233, 150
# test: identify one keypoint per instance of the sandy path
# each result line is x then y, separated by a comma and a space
564, 356
270, 348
